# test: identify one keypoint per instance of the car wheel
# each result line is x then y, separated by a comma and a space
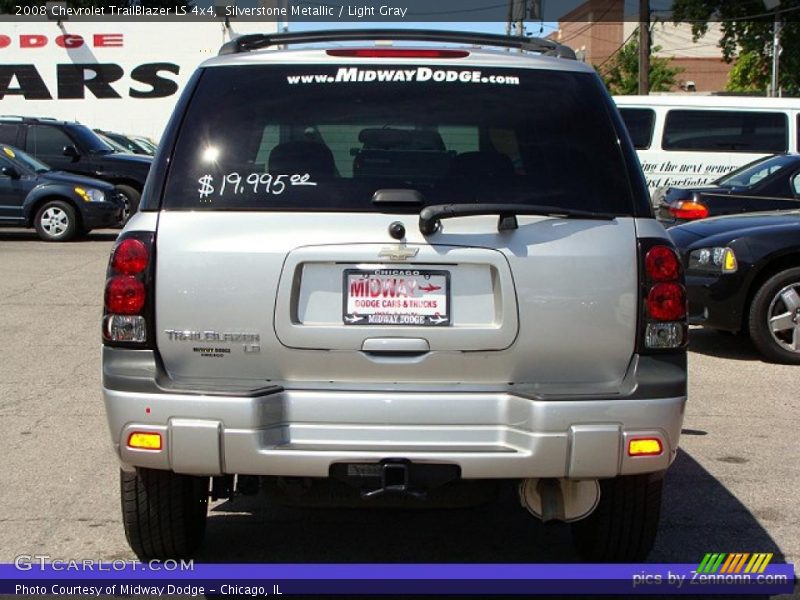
775, 317
623, 526
164, 513
56, 221
130, 200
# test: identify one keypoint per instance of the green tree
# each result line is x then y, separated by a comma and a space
747, 38
749, 75
621, 71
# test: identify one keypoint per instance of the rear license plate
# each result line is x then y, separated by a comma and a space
411, 297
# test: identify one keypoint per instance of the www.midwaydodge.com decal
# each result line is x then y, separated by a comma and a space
355, 74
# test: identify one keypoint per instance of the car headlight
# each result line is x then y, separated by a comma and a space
90, 194
713, 260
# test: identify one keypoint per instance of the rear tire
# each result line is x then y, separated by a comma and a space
623, 527
778, 297
56, 221
164, 513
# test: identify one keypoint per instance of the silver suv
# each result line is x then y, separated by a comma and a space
398, 269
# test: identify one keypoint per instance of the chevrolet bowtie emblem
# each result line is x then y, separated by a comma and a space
398, 252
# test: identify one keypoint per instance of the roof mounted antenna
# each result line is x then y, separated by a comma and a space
259, 41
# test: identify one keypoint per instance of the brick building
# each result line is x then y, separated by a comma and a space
596, 29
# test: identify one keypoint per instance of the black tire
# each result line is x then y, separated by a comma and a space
56, 221
131, 199
164, 513
623, 527
768, 303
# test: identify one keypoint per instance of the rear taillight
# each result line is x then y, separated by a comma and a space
688, 210
666, 302
130, 257
127, 318
663, 298
125, 295
661, 264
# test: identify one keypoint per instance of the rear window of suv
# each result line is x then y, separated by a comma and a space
326, 138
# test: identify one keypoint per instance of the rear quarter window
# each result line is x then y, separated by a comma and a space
301, 138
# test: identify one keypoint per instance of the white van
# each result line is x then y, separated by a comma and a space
685, 141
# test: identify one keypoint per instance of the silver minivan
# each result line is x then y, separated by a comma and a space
395, 268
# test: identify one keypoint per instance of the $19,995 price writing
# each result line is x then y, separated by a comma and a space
236, 183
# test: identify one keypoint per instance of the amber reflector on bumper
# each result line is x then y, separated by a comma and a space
644, 447
144, 441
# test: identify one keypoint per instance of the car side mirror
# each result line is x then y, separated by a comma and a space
10, 172
71, 152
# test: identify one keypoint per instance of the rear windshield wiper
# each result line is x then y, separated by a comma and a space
430, 216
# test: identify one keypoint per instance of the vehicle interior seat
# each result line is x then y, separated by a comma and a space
300, 157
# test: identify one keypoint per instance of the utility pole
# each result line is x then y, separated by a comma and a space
516, 17
776, 55
774, 87
644, 47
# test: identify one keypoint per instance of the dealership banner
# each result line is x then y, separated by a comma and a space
754, 574
123, 77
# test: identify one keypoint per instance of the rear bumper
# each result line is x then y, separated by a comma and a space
296, 432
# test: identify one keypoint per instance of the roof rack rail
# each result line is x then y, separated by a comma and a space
29, 119
258, 41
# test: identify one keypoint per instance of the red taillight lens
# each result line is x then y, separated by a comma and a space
661, 264
688, 209
125, 295
666, 302
397, 53
130, 257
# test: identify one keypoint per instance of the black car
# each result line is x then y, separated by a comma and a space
743, 275
130, 145
58, 205
77, 149
771, 183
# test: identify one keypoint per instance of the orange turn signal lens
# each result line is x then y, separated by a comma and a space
688, 209
144, 441
645, 447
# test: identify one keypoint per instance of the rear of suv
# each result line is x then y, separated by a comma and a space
399, 268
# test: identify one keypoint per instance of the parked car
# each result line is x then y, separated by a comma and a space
59, 205
131, 145
771, 183
117, 147
381, 267
146, 143
743, 275
73, 147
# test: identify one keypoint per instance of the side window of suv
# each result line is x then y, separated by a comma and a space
47, 143
8, 133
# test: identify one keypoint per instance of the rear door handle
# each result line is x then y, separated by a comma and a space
395, 345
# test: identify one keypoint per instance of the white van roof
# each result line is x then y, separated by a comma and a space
689, 101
